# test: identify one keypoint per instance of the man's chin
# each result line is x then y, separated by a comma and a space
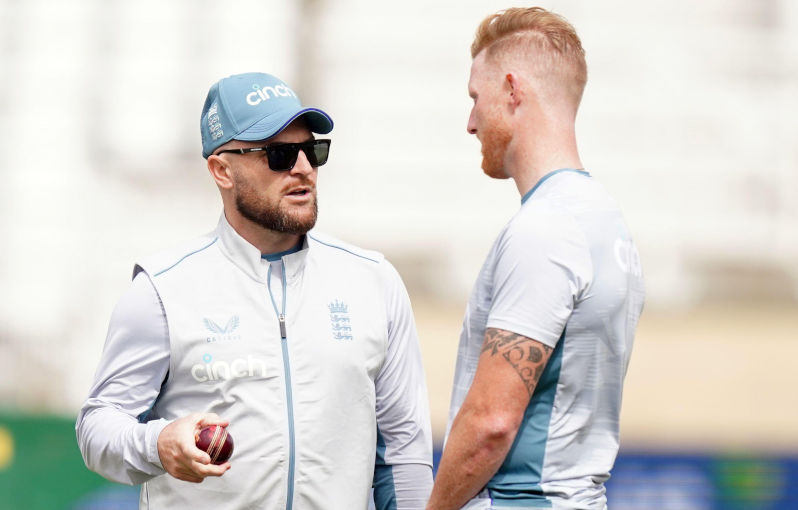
494, 171
302, 222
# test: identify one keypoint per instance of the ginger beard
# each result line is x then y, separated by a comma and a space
496, 136
274, 215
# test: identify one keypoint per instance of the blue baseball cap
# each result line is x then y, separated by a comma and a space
251, 107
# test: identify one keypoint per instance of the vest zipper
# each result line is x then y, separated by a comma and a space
282, 326
288, 391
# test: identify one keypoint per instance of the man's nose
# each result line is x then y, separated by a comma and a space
302, 165
471, 127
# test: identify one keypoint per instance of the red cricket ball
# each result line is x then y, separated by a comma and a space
216, 442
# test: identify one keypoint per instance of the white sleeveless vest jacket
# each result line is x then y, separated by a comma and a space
292, 368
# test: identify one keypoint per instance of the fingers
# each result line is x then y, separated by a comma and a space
195, 455
187, 476
207, 419
197, 467
211, 469
179, 454
199, 472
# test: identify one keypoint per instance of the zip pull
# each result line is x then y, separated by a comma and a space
282, 327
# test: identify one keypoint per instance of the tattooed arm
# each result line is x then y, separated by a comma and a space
485, 427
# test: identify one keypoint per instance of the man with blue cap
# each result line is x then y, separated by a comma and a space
303, 346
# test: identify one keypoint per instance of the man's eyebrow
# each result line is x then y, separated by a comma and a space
311, 139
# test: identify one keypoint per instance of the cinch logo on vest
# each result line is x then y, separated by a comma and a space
262, 94
223, 370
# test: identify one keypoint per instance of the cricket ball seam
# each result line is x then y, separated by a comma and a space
217, 442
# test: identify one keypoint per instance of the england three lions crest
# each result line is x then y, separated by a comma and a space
339, 320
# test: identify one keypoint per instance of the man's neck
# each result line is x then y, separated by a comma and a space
537, 156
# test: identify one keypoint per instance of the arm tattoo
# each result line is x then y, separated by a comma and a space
528, 357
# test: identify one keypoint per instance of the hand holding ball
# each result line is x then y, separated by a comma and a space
216, 442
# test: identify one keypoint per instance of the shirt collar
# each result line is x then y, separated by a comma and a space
248, 258
546, 177
273, 257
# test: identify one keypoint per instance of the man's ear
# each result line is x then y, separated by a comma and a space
513, 85
220, 171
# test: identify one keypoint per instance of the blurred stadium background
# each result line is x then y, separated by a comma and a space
688, 118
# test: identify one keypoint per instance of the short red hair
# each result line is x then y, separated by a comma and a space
540, 34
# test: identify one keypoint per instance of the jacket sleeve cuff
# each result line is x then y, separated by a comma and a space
154, 429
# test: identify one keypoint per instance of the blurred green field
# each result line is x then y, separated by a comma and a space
40, 464
41, 469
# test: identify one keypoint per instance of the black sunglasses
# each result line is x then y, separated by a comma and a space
282, 156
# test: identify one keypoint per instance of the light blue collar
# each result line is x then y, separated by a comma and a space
271, 257
542, 179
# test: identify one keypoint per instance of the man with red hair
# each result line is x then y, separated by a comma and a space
550, 324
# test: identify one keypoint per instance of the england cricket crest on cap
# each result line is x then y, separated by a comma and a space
339, 320
214, 124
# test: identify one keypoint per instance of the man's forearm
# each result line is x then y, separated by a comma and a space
474, 451
487, 423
